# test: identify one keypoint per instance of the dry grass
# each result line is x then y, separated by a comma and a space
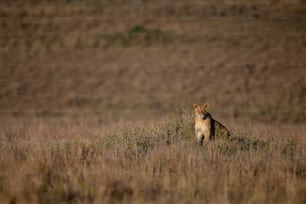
70, 71
63, 162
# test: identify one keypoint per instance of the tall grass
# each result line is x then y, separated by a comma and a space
44, 162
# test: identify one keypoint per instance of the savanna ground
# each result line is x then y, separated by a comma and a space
96, 101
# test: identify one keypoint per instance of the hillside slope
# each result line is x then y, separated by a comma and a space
139, 60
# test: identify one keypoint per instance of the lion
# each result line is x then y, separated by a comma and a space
207, 128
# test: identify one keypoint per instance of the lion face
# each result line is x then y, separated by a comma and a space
201, 110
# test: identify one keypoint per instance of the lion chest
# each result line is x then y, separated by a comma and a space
202, 126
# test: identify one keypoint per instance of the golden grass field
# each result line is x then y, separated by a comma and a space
63, 162
96, 101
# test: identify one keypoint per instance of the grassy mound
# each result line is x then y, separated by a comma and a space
44, 162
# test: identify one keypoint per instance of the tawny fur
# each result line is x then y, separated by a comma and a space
206, 128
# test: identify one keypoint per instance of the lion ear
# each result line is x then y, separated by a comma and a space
195, 105
206, 105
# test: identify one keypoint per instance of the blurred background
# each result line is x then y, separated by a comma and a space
138, 60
